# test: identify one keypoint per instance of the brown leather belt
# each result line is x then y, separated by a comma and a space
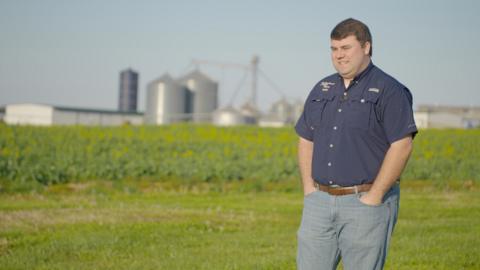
339, 190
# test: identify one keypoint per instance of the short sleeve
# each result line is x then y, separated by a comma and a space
398, 121
302, 128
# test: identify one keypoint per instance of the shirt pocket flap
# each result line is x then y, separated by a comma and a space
367, 97
316, 110
371, 97
323, 96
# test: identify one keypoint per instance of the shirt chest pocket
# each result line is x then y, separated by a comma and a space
317, 110
362, 111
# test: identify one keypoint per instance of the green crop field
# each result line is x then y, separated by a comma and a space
203, 197
189, 154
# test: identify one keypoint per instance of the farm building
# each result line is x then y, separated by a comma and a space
47, 115
435, 116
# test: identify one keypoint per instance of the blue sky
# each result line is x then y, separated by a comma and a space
70, 53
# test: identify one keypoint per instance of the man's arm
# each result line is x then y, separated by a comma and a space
305, 154
392, 166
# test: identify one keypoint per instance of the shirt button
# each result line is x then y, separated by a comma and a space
331, 145
339, 110
335, 127
344, 93
329, 164
362, 100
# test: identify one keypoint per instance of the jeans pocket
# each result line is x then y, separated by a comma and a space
367, 205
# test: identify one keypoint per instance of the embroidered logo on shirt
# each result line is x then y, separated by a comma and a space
326, 85
376, 90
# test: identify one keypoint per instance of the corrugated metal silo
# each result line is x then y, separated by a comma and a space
127, 101
166, 101
228, 116
202, 98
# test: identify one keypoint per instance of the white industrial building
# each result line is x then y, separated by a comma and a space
280, 114
440, 116
47, 115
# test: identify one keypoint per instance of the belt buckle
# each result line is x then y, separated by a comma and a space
331, 189
353, 188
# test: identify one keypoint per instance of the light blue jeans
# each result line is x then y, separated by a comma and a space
335, 227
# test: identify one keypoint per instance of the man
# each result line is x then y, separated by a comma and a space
356, 135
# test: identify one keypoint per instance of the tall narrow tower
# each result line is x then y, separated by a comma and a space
254, 68
128, 89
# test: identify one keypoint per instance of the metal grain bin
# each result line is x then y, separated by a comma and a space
202, 99
250, 112
228, 116
282, 110
127, 101
166, 101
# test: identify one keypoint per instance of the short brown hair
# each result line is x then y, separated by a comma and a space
353, 27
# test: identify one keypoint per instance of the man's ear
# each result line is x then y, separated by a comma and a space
366, 47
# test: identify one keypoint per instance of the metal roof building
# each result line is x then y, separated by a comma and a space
440, 116
47, 115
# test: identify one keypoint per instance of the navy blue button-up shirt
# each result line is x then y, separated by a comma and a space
352, 128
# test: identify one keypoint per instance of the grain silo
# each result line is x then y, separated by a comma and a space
128, 88
250, 112
282, 110
202, 98
228, 116
166, 101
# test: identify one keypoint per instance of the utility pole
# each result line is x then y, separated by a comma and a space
254, 68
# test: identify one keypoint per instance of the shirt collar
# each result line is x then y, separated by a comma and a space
361, 74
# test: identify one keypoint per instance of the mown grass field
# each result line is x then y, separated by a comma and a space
105, 225
202, 197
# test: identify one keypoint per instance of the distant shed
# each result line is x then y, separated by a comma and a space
47, 115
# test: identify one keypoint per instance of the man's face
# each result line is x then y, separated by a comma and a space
349, 57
